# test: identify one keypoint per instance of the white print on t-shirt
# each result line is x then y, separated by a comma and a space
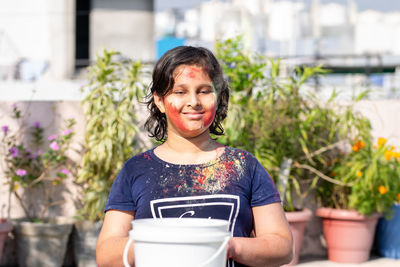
224, 207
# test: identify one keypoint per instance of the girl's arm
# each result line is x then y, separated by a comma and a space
113, 237
272, 244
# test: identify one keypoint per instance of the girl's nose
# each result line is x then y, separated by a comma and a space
193, 100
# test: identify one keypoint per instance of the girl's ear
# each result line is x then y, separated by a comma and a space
159, 101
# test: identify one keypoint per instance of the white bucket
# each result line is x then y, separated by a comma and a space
179, 242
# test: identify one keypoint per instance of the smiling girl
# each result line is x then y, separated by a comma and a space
192, 175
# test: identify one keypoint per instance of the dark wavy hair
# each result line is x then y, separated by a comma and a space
163, 82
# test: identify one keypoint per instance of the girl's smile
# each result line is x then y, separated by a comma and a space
191, 104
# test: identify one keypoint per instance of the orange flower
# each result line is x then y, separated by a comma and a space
398, 197
358, 145
361, 144
374, 146
334, 174
382, 189
381, 141
356, 148
359, 173
388, 155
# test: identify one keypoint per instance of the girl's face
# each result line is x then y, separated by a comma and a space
191, 104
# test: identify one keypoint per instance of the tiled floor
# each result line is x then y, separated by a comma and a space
375, 262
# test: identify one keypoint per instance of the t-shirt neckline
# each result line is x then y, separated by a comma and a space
205, 164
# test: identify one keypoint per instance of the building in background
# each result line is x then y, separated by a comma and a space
360, 46
48, 40
54, 38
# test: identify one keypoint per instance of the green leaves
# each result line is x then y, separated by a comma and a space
276, 117
110, 108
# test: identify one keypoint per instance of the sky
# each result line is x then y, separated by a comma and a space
380, 5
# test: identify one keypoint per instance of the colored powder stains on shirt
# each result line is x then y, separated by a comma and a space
146, 155
207, 178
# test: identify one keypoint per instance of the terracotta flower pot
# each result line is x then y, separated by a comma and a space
298, 221
5, 228
348, 234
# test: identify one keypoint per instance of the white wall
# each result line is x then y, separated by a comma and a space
40, 30
24, 30
124, 25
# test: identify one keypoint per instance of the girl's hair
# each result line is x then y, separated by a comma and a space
163, 82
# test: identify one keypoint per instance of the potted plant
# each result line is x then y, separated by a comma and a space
365, 185
110, 105
292, 132
388, 233
5, 228
34, 174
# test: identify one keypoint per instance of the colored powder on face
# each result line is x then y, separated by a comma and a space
193, 72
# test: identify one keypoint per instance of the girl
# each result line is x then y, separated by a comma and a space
192, 175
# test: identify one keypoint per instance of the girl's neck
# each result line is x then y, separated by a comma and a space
197, 150
198, 144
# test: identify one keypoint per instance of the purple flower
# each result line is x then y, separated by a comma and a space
40, 152
21, 172
65, 171
67, 132
5, 129
51, 137
14, 105
37, 124
54, 146
14, 152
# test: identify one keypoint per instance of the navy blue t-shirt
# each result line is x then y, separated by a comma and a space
225, 188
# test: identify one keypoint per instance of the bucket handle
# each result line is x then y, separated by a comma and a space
216, 254
126, 249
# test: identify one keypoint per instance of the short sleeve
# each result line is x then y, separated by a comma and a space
120, 197
263, 188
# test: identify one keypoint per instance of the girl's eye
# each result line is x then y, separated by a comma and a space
206, 91
179, 92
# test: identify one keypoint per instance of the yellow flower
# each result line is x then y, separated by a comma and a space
382, 189
54, 182
396, 155
388, 155
16, 186
381, 141
359, 173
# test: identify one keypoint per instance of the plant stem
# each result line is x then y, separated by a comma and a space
321, 175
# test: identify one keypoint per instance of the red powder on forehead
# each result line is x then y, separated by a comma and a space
193, 71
